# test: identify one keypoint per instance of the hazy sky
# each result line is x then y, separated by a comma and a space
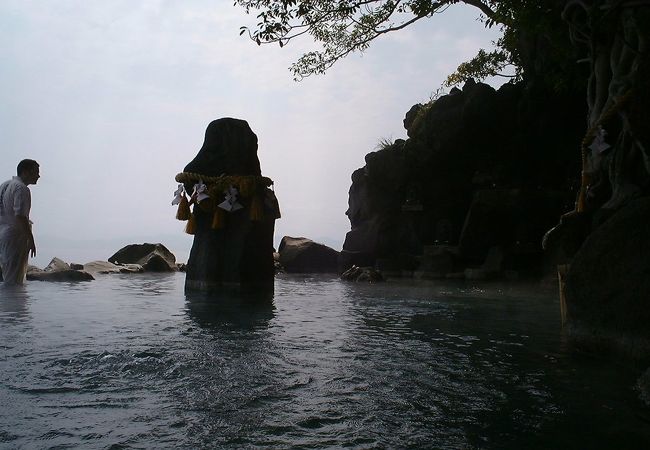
112, 97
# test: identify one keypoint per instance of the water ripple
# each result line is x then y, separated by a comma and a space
132, 362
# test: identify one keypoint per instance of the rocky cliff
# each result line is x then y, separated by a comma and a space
481, 169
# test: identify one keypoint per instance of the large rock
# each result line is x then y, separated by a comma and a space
57, 265
302, 255
34, 269
60, 275
239, 251
608, 284
152, 257
417, 193
362, 274
57, 270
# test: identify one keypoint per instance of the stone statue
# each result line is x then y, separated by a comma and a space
233, 211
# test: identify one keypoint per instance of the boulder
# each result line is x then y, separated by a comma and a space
362, 274
348, 258
564, 240
57, 265
57, 270
60, 275
33, 269
302, 255
607, 286
151, 257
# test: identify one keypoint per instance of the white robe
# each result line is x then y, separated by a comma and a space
15, 200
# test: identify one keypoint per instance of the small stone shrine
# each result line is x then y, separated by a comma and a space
230, 209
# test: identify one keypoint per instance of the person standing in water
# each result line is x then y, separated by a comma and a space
16, 238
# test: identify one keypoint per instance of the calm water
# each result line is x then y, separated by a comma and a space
130, 362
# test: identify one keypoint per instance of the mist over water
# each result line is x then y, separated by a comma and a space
132, 362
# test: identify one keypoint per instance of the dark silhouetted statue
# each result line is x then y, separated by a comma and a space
231, 211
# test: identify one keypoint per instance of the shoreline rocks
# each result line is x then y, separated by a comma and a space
60, 275
481, 168
147, 257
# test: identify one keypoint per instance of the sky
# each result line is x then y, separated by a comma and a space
112, 98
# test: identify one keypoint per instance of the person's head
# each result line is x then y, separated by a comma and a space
29, 171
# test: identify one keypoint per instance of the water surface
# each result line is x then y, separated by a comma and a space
129, 361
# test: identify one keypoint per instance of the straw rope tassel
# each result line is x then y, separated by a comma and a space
257, 208
183, 212
246, 187
190, 228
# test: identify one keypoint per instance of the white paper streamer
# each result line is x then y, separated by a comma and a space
178, 194
598, 145
200, 190
230, 200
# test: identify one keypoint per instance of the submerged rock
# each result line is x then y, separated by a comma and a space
33, 269
362, 274
57, 270
60, 275
105, 267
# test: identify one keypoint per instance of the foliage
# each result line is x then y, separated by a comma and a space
384, 143
345, 26
483, 65
341, 26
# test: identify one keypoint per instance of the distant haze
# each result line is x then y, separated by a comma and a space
113, 97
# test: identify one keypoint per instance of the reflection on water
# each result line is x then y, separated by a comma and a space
230, 307
130, 361
14, 303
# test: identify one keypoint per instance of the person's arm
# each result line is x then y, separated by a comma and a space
23, 222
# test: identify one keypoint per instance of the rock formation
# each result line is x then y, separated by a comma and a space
609, 280
302, 255
60, 275
151, 257
481, 168
606, 238
57, 270
233, 221
362, 274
